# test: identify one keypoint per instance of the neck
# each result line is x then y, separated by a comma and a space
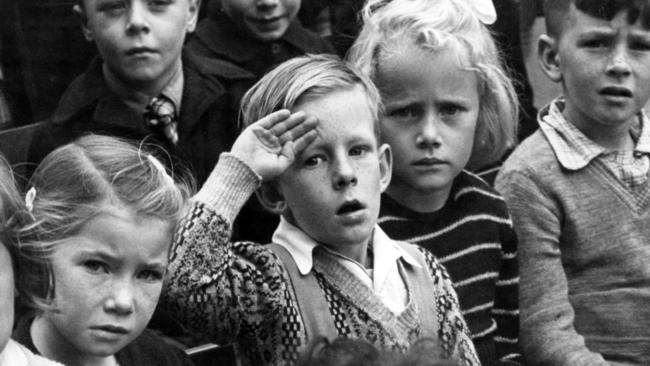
615, 136
419, 201
150, 88
51, 344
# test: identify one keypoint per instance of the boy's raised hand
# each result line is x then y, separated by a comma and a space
271, 144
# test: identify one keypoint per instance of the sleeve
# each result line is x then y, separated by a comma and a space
547, 334
453, 333
506, 300
217, 289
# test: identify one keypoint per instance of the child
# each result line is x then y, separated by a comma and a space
144, 83
12, 353
94, 254
578, 191
255, 35
330, 271
448, 104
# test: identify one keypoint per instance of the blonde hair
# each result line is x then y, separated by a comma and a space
78, 181
304, 78
11, 205
450, 24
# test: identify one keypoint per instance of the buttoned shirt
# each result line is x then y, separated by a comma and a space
384, 279
575, 151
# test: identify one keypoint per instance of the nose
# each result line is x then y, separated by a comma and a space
618, 62
344, 174
121, 298
137, 19
429, 135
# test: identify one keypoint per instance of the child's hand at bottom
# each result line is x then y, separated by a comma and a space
271, 144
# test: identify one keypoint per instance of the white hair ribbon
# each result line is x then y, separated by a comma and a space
156, 163
485, 11
29, 199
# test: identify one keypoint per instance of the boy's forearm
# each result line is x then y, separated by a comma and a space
547, 334
228, 187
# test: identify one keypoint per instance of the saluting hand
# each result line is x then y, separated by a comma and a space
271, 144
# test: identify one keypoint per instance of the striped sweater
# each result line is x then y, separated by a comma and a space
240, 293
473, 238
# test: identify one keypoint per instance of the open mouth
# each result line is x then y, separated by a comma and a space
613, 91
350, 207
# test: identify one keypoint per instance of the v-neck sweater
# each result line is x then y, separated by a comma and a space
584, 255
240, 292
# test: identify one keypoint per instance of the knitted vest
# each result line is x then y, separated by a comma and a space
314, 309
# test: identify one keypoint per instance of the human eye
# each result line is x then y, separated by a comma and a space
595, 42
405, 112
640, 44
359, 150
159, 4
451, 109
151, 275
95, 266
313, 161
111, 7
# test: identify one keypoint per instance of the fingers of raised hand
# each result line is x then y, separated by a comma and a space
296, 127
272, 119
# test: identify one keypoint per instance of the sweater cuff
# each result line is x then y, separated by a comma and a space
228, 187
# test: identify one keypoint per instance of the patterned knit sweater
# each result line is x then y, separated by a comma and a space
240, 293
472, 235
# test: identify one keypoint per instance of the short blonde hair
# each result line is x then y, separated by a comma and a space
305, 78
433, 25
78, 181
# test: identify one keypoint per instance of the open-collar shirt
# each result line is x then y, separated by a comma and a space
384, 279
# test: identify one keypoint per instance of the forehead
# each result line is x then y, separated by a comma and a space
342, 114
122, 235
416, 70
578, 21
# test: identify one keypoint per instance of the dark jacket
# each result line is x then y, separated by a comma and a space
217, 37
207, 123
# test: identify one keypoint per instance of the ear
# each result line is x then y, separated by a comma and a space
549, 57
83, 21
385, 166
271, 198
193, 14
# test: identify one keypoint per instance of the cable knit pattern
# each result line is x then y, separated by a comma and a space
239, 292
473, 238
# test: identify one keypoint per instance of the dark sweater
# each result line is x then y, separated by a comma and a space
147, 349
473, 238
218, 37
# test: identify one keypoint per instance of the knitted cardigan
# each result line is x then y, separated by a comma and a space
473, 238
584, 254
240, 293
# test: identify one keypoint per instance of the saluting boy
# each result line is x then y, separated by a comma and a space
330, 271
143, 82
579, 193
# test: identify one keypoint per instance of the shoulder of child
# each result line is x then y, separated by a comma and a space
220, 68
15, 354
532, 154
81, 93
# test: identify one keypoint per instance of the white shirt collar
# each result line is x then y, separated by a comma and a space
301, 247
